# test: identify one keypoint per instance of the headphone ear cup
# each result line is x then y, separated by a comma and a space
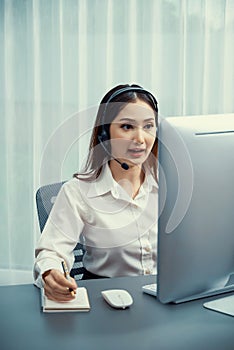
104, 135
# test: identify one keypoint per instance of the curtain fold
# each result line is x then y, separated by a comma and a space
58, 59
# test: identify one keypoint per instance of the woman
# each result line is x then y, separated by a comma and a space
112, 204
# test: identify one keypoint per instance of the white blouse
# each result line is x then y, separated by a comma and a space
120, 233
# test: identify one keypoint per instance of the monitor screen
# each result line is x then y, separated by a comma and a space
196, 207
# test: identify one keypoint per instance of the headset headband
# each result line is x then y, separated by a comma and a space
133, 89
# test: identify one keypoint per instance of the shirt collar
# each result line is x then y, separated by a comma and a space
150, 182
105, 183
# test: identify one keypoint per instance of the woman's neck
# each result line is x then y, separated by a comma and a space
131, 179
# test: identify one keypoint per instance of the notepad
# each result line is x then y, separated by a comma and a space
79, 304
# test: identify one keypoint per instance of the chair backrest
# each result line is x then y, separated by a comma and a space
45, 198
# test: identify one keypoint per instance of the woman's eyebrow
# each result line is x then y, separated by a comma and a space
127, 119
149, 119
134, 121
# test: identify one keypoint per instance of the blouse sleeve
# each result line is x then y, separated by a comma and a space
60, 235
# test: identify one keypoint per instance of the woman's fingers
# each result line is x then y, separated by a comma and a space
57, 287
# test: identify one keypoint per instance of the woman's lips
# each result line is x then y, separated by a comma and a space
136, 152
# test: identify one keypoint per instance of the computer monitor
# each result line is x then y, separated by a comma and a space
196, 207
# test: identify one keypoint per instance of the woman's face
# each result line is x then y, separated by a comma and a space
133, 132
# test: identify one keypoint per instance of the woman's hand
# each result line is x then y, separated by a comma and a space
56, 286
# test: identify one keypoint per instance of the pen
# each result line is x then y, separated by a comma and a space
66, 274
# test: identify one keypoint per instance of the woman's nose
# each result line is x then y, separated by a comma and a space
138, 135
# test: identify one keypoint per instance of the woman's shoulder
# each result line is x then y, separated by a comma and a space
74, 182
77, 186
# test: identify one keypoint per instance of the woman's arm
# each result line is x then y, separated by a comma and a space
57, 242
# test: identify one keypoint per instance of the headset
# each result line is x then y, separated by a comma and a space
104, 134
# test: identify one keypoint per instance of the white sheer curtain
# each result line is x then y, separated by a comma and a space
58, 58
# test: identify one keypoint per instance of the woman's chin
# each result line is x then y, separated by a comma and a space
135, 162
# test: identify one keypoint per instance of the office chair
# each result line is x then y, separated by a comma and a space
45, 198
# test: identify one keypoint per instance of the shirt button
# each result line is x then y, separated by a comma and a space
115, 193
147, 249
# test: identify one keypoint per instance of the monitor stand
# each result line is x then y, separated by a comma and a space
229, 287
224, 305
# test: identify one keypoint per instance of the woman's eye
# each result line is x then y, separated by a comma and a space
126, 126
149, 126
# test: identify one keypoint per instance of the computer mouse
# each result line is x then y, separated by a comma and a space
117, 298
